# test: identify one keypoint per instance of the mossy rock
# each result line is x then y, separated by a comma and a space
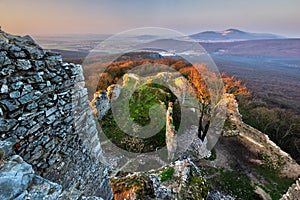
137, 186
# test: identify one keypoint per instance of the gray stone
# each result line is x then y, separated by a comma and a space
101, 104
14, 79
29, 97
27, 89
68, 119
22, 196
37, 149
38, 65
14, 94
71, 193
15, 113
49, 89
23, 64
52, 161
44, 189
17, 85
6, 147
41, 119
35, 53
21, 131
4, 60
9, 69
5, 46
18, 54
51, 111
57, 79
54, 97
48, 83
15, 177
91, 198
10, 105
3, 81
4, 89
45, 139
42, 86
35, 128
32, 106
27, 40
35, 156
31, 122
30, 116
49, 75
53, 56
51, 119
50, 64
36, 79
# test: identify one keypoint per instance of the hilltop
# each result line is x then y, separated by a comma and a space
230, 35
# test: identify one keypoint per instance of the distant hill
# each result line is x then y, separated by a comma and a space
269, 47
231, 35
286, 47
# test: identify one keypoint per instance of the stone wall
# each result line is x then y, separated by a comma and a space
45, 111
293, 192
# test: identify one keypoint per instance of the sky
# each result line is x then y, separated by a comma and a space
40, 17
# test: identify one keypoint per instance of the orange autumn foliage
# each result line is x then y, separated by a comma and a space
114, 71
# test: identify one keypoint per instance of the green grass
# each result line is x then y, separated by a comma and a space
146, 96
198, 188
167, 174
134, 144
143, 99
237, 184
275, 185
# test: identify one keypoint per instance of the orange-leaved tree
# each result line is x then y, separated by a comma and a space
209, 88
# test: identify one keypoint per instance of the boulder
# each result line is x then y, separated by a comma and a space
15, 177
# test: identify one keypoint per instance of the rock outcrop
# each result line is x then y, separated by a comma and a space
293, 192
171, 134
181, 179
19, 181
100, 104
45, 118
234, 126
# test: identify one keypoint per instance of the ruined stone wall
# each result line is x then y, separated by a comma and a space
293, 192
44, 110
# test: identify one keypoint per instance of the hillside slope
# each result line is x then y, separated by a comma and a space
245, 164
247, 152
